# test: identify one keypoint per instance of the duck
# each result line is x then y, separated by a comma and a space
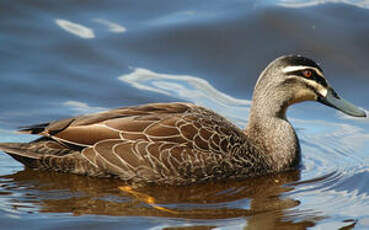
181, 143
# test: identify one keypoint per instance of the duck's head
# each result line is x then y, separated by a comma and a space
292, 79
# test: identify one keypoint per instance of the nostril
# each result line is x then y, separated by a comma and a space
335, 94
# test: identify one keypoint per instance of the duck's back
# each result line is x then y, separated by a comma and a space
174, 143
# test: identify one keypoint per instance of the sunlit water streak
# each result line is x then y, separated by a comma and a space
303, 3
76, 29
189, 88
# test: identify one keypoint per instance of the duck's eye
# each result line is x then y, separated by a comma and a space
307, 73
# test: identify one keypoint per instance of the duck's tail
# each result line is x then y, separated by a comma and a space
22, 153
47, 154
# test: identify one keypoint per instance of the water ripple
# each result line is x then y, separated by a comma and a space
76, 29
82, 108
112, 26
304, 3
190, 88
55, 76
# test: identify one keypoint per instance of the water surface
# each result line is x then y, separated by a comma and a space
59, 59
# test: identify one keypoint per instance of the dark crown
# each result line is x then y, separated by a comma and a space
297, 60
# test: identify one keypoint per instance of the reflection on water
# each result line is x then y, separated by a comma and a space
76, 29
189, 88
82, 108
112, 27
304, 3
184, 87
86, 32
249, 200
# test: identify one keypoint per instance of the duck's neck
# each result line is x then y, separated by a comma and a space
271, 132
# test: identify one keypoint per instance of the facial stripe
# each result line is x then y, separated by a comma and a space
291, 69
318, 87
298, 70
320, 80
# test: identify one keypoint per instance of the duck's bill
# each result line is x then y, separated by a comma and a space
333, 100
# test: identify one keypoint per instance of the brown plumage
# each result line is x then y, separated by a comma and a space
174, 143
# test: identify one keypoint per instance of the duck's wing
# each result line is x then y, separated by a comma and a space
151, 142
130, 122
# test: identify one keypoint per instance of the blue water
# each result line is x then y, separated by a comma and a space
59, 59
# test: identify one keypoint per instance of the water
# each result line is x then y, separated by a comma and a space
61, 59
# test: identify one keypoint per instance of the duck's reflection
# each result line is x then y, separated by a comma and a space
258, 200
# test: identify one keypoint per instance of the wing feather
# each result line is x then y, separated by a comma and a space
150, 142
90, 129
